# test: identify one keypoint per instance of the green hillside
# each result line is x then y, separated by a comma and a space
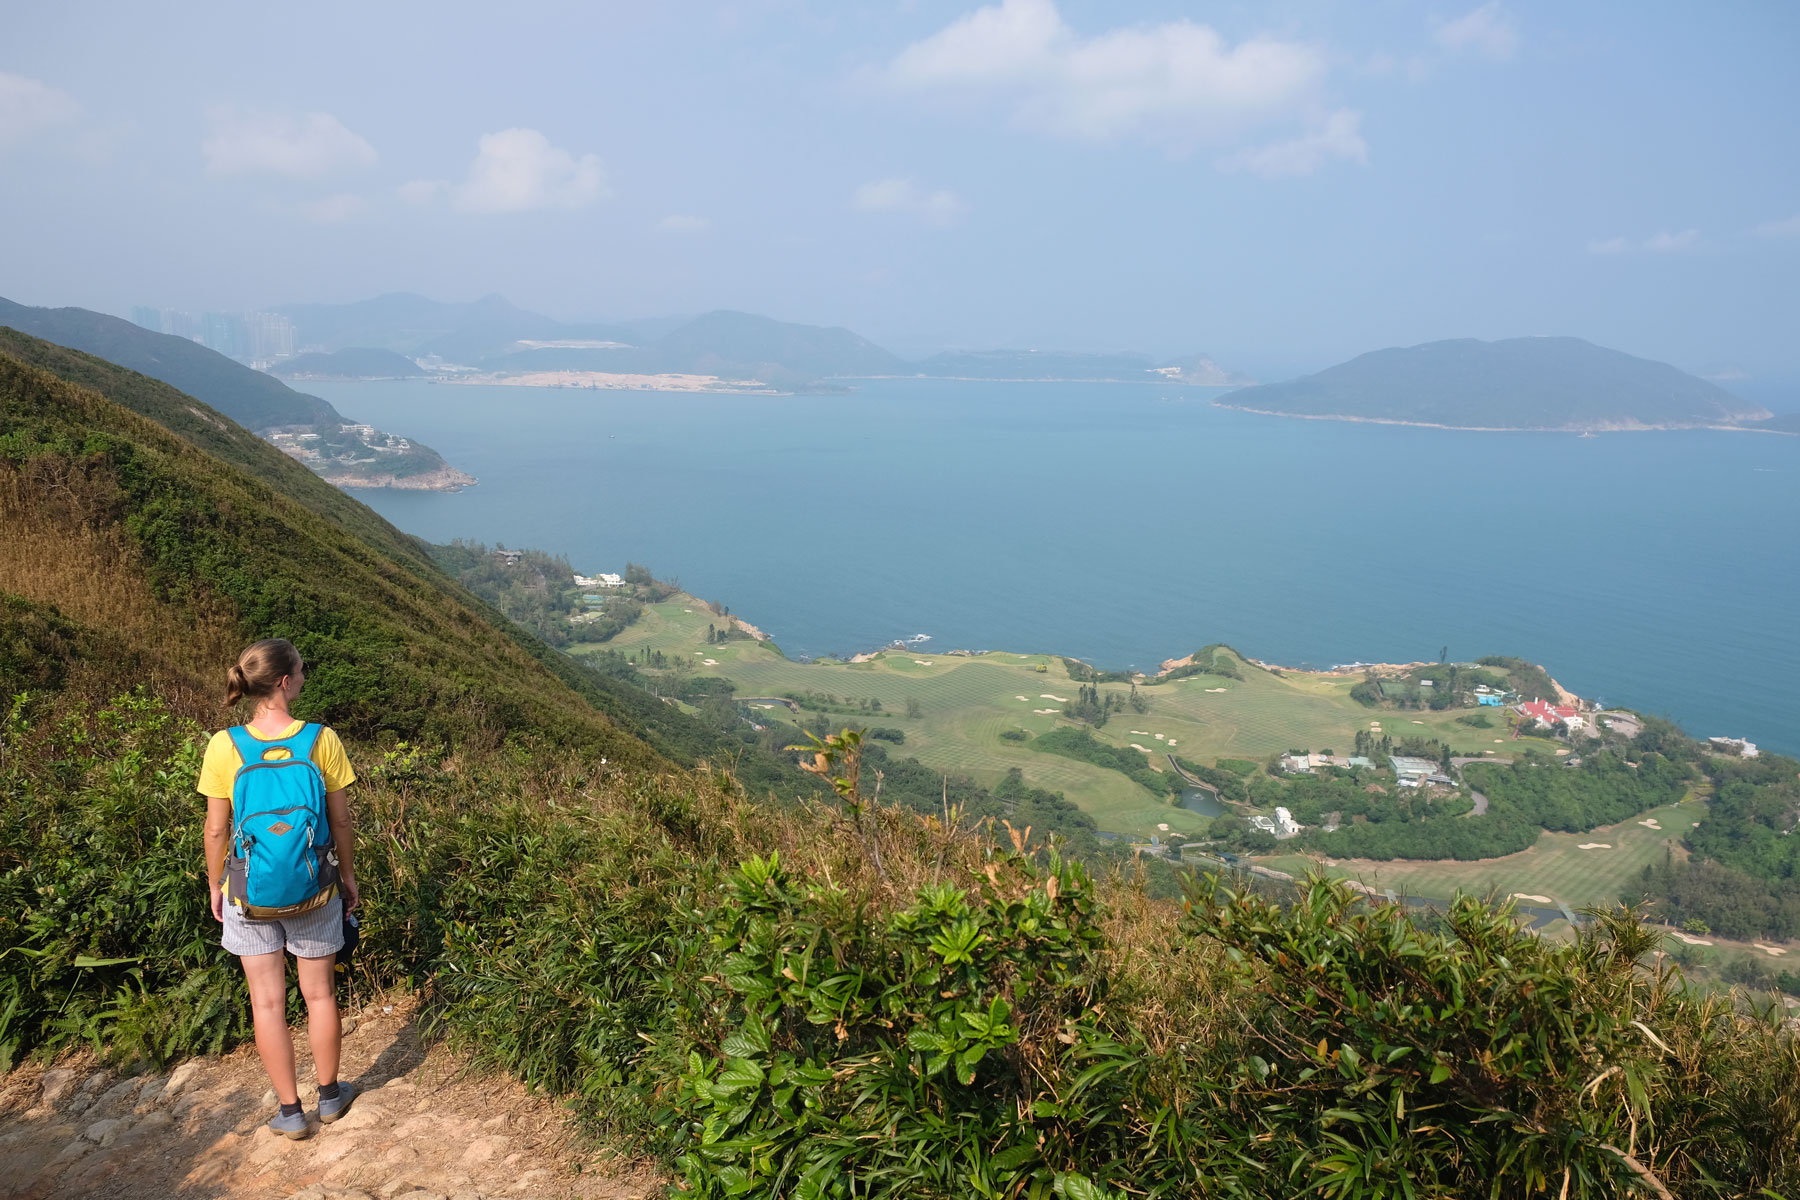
251, 398
766, 994
1518, 383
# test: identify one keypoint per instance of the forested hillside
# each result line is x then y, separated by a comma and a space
773, 995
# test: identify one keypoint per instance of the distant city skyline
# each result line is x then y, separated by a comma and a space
1282, 186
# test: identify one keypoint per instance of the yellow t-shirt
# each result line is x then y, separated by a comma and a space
220, 766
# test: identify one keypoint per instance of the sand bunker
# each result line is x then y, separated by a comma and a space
1046, 711
1535, 899
1048, 696
1145, 749
1696, 824
709, 662
762, 706
1159, 737
1164, 828
1692, 941
1021, 698
1649, 823
1595, 846
1171, 741
1772, 951
1418, 722
687, 610
1141, 732
1498, 741
1218, 689
922, 662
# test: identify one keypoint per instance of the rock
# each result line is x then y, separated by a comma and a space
99, 1131
180, 1077
94, 1082
118, 1097
79, 1104
529, 1179
348, 1025
150, 1093
56, 1083
270, 1099
397, 1084
112, 1135
482, 1149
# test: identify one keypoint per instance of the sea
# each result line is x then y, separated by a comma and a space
1125, 524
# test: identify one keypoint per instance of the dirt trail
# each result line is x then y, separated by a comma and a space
423, 1128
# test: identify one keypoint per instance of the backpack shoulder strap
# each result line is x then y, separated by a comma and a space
303, 743
248, 747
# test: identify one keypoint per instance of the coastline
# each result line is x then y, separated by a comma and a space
619, 381
1616, 427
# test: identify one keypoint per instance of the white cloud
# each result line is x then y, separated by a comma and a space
1664, 242
333, 209
518, 170
683, 223
1176, 85
1488, 31
304, 147
934, 207
1788, 227
1661, 242
28, 107
1337, 138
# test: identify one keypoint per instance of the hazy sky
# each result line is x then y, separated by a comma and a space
1280, 184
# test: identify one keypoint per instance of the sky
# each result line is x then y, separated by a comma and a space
1282, 185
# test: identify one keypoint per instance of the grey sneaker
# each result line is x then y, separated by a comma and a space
331, 1110
291, 1127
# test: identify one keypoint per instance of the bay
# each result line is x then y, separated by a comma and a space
1124, 524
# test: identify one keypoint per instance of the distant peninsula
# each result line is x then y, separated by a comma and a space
1530, 383
307, 428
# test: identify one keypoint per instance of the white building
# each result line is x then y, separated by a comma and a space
602, 580
1284, 824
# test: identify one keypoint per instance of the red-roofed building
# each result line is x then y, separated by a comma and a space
1549, 715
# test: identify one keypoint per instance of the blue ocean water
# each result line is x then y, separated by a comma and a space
1125, 524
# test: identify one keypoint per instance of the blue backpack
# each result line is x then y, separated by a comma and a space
281, 863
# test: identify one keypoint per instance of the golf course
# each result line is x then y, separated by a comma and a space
965, 703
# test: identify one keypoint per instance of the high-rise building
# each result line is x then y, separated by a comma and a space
271, 336
224, 332
148, 318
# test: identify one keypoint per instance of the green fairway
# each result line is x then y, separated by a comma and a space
967, 702
1556, 867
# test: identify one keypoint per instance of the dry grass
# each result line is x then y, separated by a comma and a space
65, 547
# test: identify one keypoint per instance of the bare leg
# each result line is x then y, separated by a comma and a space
322, 1027
267, 975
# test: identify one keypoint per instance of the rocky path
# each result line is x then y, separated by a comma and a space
423, 1128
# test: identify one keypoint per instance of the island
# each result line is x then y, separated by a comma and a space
1531, 383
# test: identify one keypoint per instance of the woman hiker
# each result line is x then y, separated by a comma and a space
281, 868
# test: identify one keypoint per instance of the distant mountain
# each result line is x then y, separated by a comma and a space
343, 453
728, 342
1519, 383
458, 332
357, 362
1052, 364
251, 398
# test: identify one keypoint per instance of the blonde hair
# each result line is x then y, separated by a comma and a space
260, 669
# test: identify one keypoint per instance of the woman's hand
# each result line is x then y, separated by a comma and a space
218, 901
352, 897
